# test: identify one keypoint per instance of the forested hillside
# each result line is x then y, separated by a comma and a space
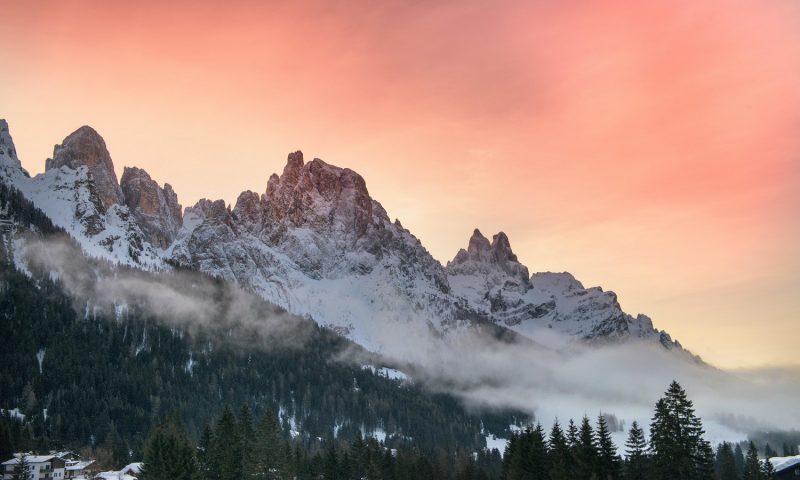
86, 378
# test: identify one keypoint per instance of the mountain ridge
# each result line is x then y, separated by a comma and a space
316, 243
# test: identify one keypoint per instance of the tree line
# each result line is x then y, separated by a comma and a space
676, 450
236, 447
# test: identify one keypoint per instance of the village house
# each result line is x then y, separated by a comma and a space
42, 467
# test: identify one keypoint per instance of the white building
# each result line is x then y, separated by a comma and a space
41, 467
78, 469
128, 473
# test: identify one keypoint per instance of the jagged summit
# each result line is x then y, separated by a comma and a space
489, 258
86, 147
156, 209
320, 196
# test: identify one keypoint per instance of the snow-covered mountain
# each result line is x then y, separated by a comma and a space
491, 279
316, 243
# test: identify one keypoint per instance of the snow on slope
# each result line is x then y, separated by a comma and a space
493, 282
69, 197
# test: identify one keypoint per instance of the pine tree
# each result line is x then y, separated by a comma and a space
203, 454
725, 464
247, 435
269, 460
572, 434
226, 448
607, 461
738, 455
358, 454
677, 446
512, 458
635, 450
168, 455
767, 470
537, 454
752, 467
331, 464
22, 469
586, 451
559, 454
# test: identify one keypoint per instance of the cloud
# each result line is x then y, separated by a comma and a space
182, 299
554, 377
621, 379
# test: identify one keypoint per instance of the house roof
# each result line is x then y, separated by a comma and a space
30, 459
78, 464
784, 463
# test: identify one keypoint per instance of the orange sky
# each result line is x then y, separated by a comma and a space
651, 147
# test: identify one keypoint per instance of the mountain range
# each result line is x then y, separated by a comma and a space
317, 244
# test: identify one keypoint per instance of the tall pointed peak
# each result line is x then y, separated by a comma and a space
294, 164
484, 257
85, 147
478, 243
8, 152
501, 248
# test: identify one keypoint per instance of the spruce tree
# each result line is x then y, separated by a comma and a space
559, 454
725, 464
738, 455
752, 466
168, 455
247, 434
512, 458
679, 451
586, 451
358, 454
268, 460
635, 450
203, 454
226, 447
539, 468
331, 470
607, 461
767, 470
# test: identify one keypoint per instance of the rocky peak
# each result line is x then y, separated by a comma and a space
155, 209
479, 247
86, 147
505, 258
482, 256
320, 196
214, 210
248, 207
8, 152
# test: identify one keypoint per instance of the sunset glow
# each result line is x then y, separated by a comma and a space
651, 148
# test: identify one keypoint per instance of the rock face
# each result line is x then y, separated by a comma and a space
155, 209
8, 152
85, 147
317, 244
